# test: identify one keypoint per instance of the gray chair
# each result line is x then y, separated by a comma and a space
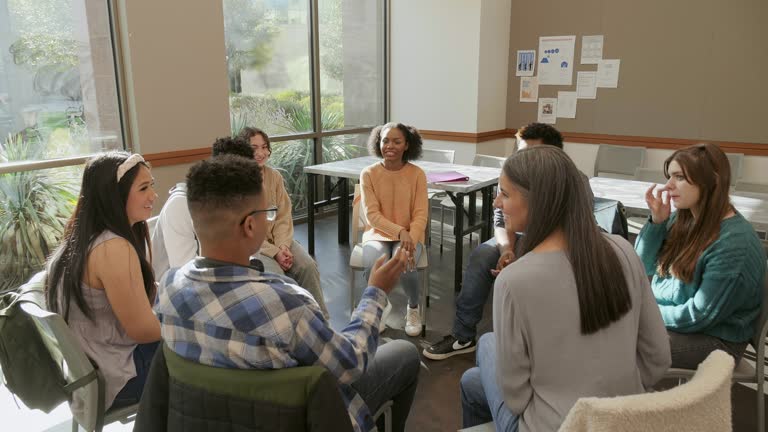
650, 175
757, 188
736, 160
744, 372
618, 161
75, 366
442, 156
448, 204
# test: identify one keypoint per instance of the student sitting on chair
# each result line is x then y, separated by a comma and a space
573, 317
486, 261
280, 253
100, 279
707, 262
395, 204
220, 311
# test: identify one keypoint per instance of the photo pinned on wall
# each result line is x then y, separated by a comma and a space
529, 89
526, 63
547, 110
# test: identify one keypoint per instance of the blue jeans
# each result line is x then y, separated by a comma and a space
373, 249
131, 392
481, 398
475, 289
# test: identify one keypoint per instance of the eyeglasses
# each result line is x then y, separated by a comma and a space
271, 214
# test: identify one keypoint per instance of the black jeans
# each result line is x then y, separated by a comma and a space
131, 392
690, 349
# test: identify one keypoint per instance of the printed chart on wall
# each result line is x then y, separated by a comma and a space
556, 60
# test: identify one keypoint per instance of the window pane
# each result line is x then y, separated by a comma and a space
34, 208
58, 90
290, 158
351, 63
267, 44
342, 147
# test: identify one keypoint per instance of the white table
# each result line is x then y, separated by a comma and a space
481, 179
631, 193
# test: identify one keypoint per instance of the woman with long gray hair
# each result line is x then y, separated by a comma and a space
574, 316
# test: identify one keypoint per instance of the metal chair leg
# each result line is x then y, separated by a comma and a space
442, 222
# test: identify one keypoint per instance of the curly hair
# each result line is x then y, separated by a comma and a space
232, 146
541, 131
249, 132
222, 182
412, 138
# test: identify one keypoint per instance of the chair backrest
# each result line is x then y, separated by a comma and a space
736, 160
702, 404
432, 155
488, 161
358, 217
295, 387
650, 175
69, 356
610, 216
751, 187
618, 161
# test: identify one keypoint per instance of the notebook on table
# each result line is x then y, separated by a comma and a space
446, 176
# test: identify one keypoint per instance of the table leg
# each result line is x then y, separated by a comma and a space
311, 214
487, 213
343, 210
459, 248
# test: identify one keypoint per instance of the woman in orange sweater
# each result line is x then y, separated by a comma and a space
395, 204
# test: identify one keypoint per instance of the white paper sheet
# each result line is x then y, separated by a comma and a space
529, 89
608, 73
547, 110
526, 62
566, 104
586, 85
591, 49
556, 60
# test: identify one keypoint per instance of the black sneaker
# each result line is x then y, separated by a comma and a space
448, 347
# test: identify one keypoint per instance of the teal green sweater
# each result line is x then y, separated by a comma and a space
724, 297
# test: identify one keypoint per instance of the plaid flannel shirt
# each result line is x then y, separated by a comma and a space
227, 315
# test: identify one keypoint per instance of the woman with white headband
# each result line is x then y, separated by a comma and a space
100, 278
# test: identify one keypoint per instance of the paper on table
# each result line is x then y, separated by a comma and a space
591, 49
586, 87
526, 62
556, 60
529, 89
566, 104
547, 110
446, 176
608, 73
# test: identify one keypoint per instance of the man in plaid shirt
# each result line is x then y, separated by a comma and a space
219, 310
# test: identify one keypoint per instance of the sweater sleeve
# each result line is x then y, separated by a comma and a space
282, 228
178, 232
421, 207
513, 361
649, 242
720, 293
372, 208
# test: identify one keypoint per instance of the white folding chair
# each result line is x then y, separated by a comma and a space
448, 204
357, 265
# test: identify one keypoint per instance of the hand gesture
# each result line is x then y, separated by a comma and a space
286, 250
507, 258
386, 275
406, 242
658, 203
284, 260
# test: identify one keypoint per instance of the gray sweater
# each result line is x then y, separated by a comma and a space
544, 363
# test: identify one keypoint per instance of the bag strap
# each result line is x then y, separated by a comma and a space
82, 381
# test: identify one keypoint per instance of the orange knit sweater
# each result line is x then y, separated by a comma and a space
393, 201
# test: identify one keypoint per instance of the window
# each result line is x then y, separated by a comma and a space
58, 104
310, 73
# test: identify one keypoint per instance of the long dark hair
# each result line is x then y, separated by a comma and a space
705, 166
101, 207
557, 198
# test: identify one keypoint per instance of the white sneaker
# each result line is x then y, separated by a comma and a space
412, 321
384, 316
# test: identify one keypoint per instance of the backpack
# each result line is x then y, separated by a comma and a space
28, 370
611, 216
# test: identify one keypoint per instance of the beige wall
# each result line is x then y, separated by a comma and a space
689, 68
175, 78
